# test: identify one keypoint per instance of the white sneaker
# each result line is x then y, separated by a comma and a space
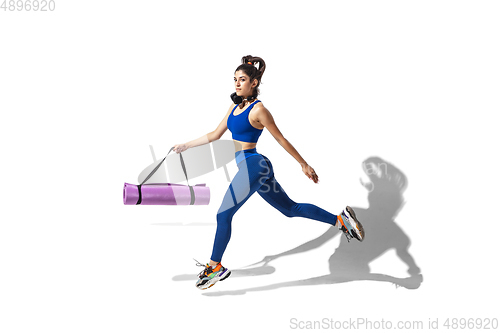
351, 227
209, 276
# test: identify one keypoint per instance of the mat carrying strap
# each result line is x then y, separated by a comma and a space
156, 168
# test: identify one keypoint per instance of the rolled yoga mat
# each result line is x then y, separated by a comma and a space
166, 194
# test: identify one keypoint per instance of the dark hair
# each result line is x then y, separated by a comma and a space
248, 67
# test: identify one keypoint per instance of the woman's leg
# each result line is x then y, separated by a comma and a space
275, 195
252, 173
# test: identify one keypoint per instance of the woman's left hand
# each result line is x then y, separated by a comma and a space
310, 173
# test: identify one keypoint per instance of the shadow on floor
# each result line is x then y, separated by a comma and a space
350, 261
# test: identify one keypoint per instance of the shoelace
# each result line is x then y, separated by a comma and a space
206, 271
347, 234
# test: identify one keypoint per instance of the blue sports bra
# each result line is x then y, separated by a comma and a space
241, 128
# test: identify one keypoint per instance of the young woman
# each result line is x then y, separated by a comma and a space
246, 119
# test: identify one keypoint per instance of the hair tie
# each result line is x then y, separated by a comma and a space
250, 63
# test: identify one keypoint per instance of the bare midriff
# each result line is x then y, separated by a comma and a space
245, 145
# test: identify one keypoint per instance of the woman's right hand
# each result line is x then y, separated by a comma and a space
179, 148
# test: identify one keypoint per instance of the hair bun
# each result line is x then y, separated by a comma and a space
247, 60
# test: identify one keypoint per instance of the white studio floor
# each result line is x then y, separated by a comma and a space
88, 88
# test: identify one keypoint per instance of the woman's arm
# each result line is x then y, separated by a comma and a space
207, 138
265, 118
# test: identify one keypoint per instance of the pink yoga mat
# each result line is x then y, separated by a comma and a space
166, 194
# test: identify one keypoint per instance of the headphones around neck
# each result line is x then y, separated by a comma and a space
237, 99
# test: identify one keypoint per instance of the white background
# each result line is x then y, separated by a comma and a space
85, 89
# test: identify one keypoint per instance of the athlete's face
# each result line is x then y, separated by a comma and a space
242, 84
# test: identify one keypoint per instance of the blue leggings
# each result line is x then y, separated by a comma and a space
256, 174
